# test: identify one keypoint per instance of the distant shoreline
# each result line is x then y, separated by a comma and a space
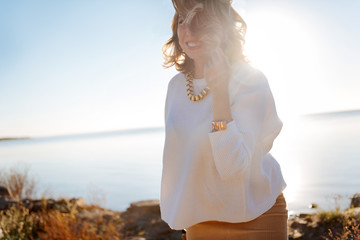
13, 138
91, 134
333, 113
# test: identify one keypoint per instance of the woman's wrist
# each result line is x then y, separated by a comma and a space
219, 86
221, 107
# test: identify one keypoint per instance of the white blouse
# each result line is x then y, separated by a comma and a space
225, 175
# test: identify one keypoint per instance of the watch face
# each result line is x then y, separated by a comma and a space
216, 126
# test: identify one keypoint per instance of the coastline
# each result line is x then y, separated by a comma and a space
142, 220
13, 138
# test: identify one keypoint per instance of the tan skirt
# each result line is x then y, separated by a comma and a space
272, 225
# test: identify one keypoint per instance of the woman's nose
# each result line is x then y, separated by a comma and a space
187, 29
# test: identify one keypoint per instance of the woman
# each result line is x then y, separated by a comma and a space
218, 179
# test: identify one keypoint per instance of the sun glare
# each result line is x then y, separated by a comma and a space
285, 51
292, 176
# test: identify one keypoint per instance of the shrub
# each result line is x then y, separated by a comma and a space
344, 224
17, 223
56, 225
18, 182
351, 230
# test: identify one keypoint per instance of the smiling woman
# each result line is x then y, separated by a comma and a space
223, 27
219, 179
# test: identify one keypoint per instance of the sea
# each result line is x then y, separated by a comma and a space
319, 155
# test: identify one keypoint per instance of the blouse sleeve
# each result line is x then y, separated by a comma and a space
255, 124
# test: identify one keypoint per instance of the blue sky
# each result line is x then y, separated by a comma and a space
87, 66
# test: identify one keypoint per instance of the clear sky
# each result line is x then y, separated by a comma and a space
88, 66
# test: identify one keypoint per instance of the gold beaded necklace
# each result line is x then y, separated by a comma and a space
190, 89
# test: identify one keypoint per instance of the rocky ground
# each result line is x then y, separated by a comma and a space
142, 219
313, 227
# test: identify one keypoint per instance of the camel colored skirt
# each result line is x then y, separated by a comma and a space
272, 225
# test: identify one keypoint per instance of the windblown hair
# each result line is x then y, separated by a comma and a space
215, 22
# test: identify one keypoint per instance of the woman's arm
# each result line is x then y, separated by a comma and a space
221, 106
252, 123
217, 74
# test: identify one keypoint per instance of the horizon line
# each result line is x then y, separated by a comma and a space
89, 134
349, 111
150, 129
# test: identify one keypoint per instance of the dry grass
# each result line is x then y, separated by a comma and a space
96, 196
345, 225
57, 225
18, 181
19, 223
351, 230
331, 216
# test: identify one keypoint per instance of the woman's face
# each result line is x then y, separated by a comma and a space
191, 43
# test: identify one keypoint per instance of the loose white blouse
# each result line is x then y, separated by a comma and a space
226, 175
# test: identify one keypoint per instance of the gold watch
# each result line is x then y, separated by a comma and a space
218, 125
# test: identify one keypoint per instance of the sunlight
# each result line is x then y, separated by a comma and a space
285, 151
292, 176
285, 51
291, 169
274, 37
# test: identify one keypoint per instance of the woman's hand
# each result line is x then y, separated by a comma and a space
217, 72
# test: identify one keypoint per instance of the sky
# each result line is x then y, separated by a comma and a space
82, 66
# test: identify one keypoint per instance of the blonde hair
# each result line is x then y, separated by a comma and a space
208, 18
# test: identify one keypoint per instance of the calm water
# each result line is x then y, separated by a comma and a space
319, 157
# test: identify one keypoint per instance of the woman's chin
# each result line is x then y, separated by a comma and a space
198, 57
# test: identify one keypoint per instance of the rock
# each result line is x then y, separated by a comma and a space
64, 205
33, 205
304, 215
4, 191
353, 211
147, 206
297, 234
6, 200
6, 203
142, 219
313, 205
355, 200
78, 201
